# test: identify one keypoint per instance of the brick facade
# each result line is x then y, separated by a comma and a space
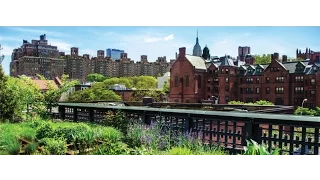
283, 83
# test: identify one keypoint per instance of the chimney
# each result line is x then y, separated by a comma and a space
182, 52
272, 58
284, 58
276, 56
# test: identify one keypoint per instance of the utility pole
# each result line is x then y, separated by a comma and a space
1, 55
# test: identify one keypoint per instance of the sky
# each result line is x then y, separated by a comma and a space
164, 40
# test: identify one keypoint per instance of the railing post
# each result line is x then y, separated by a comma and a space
75, 114
251, 131
91, 115
188, 124
62, 112
146, 118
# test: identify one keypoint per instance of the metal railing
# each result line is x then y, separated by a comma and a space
292, 134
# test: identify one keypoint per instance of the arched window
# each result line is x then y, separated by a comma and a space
199, 81
176, 81
187, 80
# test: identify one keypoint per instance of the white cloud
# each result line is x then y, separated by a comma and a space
39, 31
62, 46
170, 37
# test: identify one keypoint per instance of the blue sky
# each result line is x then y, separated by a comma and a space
165, 41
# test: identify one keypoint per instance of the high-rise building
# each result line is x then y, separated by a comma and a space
197, 48
115, 54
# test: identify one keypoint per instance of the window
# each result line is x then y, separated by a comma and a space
267, 80
176, 100
227, 88
279, 90
227, 71
227, 80
299, 78
227, 98
199, 81
249, 90
187, 80
298, 90
250, 80
176, 81
267, 90
222, 71
258, 80
257, 90
241, 80
208, 88
187, 101
241, 91
313, 81
280, 79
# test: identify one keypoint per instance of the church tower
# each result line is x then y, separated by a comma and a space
197, 48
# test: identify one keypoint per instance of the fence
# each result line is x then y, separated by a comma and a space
292, 134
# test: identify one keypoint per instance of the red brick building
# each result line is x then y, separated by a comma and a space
284, 83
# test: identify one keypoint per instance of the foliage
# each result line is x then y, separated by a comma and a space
253, 148
54, 146
13, 147
44, 131
261, 103
262, 59
96, 77
7, 101
166, 87
94, 94
139, 94
117, 120
25, 93
206, 53
307, 111
180, 151
52, 95
31, 148
112, 148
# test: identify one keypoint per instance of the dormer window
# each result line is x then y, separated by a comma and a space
315, 68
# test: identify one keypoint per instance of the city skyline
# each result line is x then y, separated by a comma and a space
164, 41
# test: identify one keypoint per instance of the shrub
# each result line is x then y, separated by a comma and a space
112, 148
28, 134
44, 131
107, 134
117, 120
253, 148
31, 148
54, 146
305, 111
180, 151
13, 147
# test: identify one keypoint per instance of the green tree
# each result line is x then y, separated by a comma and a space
306, 111
7, 101
262, 59
166, 87
96, 77
52, 95
25, 93
206, 53
94, 94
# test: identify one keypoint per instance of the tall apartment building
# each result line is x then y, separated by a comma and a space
41, 54
284, 83
114, 54
40, 58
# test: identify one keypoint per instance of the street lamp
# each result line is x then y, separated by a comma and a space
303, 103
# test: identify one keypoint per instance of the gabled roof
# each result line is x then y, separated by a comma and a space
225, 61
197, 62
43, 84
